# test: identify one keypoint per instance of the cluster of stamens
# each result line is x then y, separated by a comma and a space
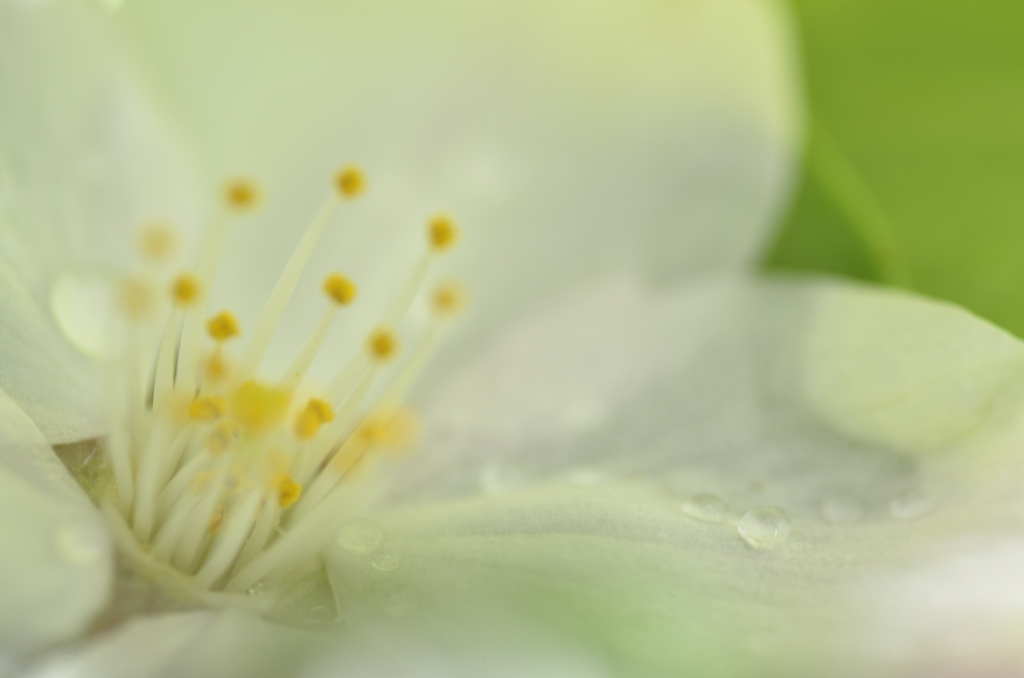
231, 479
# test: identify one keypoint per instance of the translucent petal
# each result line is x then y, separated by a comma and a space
608, 528
651, 134
85, 159
57, 559
234, 645
55, 386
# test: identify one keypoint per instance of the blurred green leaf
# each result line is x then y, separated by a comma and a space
915, 160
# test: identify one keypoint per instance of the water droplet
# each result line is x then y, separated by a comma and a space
400, 602
387, 561
764, 527
842, 510
909, 507
361, 537
706, 507
82, 545
82, 306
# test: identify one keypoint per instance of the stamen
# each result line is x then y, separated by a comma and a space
443, 233
242, 194
274, 309
186, 290
135, 297
449, 299
313, 416
158, 242
382, 344
341, 291
222, 327
350, 181
258, 407
207, 408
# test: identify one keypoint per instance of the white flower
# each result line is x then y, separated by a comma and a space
707, 474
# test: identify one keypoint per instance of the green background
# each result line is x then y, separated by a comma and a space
914, 174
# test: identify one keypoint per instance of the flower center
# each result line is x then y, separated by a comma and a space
227, 477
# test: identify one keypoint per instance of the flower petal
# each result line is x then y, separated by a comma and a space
85, 159
57, 559
651, 134
608, 527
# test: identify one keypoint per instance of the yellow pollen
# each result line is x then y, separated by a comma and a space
158, 242
216, 368
206, 408
442, 233
222, 437
242, 194
340, 289
313, 416
397, 429
185, 289
350, 181
449, 298
135, 297
382, 344
223, 326
288, 491
200, 481
258, 407
220, 512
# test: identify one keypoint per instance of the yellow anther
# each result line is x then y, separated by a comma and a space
186, 289
288, 491
382, 344
442, 233
220, 512
158, 242
225, 434
449, 298
313, 416
223, 326
242, 194
200, 481
396, 429
258, 407
350, 181
135, 297
340, 289
207, 408
216, 367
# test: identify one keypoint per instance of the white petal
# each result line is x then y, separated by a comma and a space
85, 159
56, 386
729, 414
899, 370
57, 559
649, 134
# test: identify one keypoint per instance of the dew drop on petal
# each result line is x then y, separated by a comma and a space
842, 510
82, 306
400, 602
387, 561
706, 507
82, 545
764, 527
361, 538
909, 507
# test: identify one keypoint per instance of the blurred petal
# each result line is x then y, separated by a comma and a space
897, 370
592, 520
56, 560
84, 163
568, 137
